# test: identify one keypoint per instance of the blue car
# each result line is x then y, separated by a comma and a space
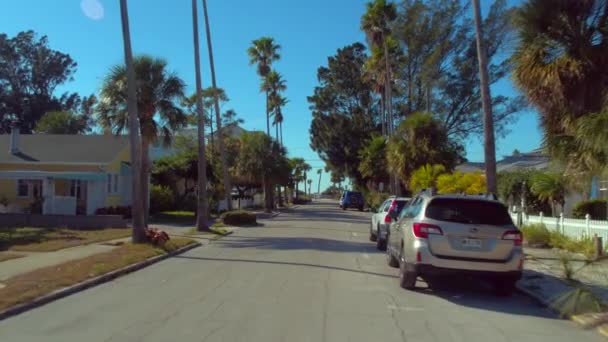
351, 199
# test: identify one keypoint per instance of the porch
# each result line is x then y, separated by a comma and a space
58, 193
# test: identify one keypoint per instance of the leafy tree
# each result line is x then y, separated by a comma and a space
263, 52
458, 182
373, 166
343, 99
439, 68
550, 187
421, 140
560, 64
262, 160
513, 184
62, 123
158, 94
299, 169
30, 72
426, 177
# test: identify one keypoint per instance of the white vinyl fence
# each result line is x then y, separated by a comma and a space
575, 228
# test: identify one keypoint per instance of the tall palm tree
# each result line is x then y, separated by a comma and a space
225, 174
202, 205
137, 205
273, 85
309, 186
486, 103
277, 102
376, 23
319, 172
550, 187
158, 92
264, 52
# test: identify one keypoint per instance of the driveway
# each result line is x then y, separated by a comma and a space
307, 275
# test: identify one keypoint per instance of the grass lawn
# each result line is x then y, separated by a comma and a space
26, 287
177, 217
46, 240
8, 256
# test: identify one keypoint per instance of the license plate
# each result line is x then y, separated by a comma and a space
471, 243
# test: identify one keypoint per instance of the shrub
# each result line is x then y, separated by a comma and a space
124, 211
584, 245
536, 235
595, 208
157, 237
302, 200
161, 198
238, 218
373, 199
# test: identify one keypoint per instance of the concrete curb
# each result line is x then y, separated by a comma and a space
15, 310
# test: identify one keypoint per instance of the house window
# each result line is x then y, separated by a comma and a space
116, 183
23, 188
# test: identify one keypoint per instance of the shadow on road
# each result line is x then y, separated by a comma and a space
288, 264
298, 243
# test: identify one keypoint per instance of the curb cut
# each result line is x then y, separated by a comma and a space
61, 293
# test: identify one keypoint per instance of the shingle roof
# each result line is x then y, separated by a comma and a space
531, 160
63, 148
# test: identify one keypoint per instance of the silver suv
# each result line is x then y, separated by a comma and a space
455, 235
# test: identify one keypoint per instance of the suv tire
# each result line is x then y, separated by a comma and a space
407, 279
391, 260
372, 237
380, 243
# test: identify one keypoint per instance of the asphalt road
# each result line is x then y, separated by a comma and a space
307, 275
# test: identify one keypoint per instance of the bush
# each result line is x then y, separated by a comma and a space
238, 218
161, 198
536, 235
124, 211
596, 208
302, 199
584, 245
373, 199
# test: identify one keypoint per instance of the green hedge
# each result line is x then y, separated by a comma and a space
536, 235
596, 208
161, 198
238, 218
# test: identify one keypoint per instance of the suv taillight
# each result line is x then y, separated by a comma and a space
387, 218
513, 235
423, 230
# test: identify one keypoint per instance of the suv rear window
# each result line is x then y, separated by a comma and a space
468, 211
399, 206
355, 195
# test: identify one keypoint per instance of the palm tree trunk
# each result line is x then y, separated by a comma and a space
139, 232
267, 116
210, 134
225, 174
276, 128
281, 131
145, 176
486, 102
202, 205
382, 114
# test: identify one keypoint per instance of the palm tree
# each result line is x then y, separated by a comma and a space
550, 187
158, 94
376, 24
277, 102
273, 85
319, 172
225, 174
486, 103
137, 205
309, 185
264, 52
202, 205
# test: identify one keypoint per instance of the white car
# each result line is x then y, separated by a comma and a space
381, 220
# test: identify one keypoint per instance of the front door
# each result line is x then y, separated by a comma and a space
79, 190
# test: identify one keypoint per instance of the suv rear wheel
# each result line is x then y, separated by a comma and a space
372, 237
380, 243
407, 279
390, 259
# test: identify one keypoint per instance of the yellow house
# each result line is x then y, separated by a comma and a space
63, 174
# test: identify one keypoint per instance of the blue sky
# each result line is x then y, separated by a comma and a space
308, 31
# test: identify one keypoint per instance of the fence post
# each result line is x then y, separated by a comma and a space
587, 223
541, 217
561, 223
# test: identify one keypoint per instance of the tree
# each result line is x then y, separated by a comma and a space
262, 160
62, 123
299, 169
461, 183
278, 102
373, 166
426, 177
226, 176
158, 94
515, 184
264, 52
309, 185
30, 72
421, 140
273, 85
560, 65
486, 103
344, 99
550, 187
137, 202
319, 172
376, 23
230, 117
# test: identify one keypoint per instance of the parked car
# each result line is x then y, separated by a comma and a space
381, 220
351, 199
455, 235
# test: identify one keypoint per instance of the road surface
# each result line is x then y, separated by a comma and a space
307, 275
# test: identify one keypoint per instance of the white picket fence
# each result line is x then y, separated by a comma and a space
575, 228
